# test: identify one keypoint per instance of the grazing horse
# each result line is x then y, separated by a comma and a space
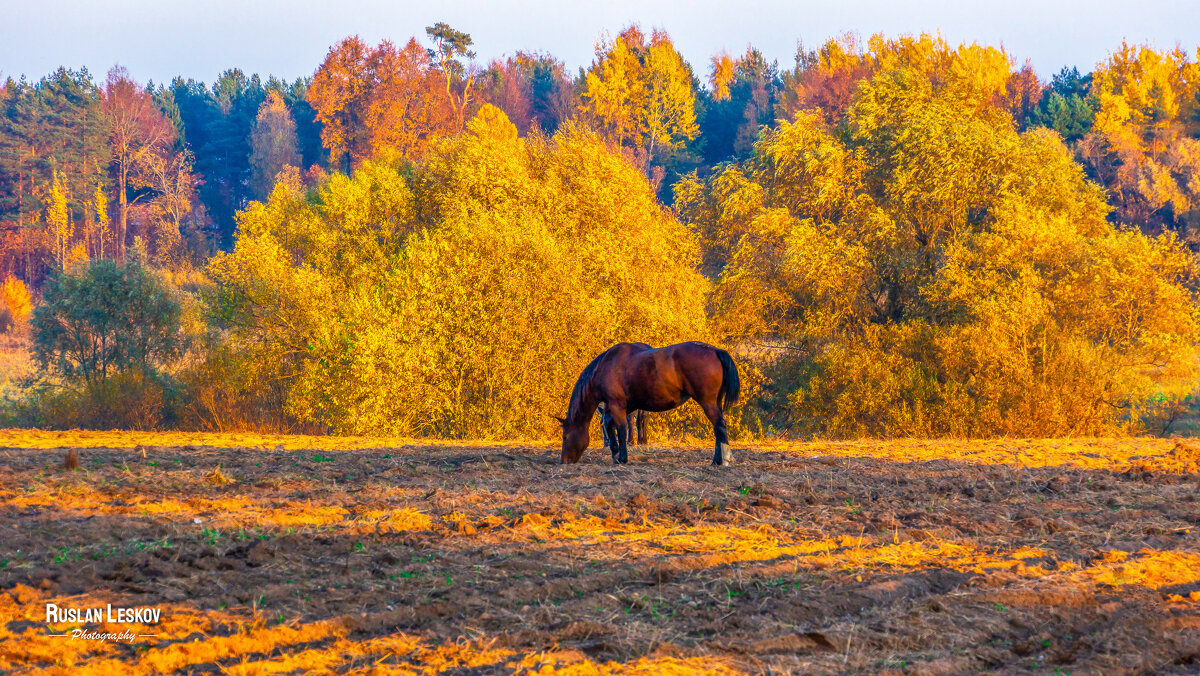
636, 377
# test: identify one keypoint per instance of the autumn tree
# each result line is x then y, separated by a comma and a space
409, 110
532, 89
418, 301
1022, 93
273, 144
1143, 144
928, 270
15, 304
103, 227
59, 221
825, 79
828, 79
368, 99
174, 184
721, 76
137, 130
641, 94
341, 94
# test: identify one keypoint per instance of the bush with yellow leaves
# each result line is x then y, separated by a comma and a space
929, 271
460, 297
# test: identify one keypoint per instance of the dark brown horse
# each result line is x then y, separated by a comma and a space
636, 377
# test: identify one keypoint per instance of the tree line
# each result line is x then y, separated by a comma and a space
899, 236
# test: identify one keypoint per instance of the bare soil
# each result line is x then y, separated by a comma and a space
875, 557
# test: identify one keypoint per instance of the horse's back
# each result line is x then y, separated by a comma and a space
616, 362
699, 365
659, 379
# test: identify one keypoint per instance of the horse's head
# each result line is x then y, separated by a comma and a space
575, 441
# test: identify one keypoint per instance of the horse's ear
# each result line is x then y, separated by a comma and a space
561, 421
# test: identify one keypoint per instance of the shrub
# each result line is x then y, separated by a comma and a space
222, 393
106, 318
938, 273
460, 297
126, 400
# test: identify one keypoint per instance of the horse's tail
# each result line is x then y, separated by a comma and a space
731, 386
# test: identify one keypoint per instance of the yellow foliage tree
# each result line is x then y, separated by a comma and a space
58, 219
77, 257
927, 270
827, 79
464, 297
641, 94
273, 143
16, 300
720, 76
1143, 144
103, 228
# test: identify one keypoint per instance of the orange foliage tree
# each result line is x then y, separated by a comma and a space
15, 302
369, 99
137, 130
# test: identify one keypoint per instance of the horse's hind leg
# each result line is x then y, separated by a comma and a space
723, 454
641, 428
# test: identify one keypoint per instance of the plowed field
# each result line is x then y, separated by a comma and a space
322, 554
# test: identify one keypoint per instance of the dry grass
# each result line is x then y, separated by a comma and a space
282, 554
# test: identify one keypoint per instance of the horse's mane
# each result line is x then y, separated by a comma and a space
581, 385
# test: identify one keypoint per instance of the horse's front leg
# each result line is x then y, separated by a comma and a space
621, 435
605, 425
608, 423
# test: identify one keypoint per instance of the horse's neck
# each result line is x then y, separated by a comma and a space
587, 408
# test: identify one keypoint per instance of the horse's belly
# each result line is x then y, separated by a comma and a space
657, 404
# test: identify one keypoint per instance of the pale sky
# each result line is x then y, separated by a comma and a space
158, 39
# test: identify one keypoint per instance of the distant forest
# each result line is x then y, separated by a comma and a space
173, 163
